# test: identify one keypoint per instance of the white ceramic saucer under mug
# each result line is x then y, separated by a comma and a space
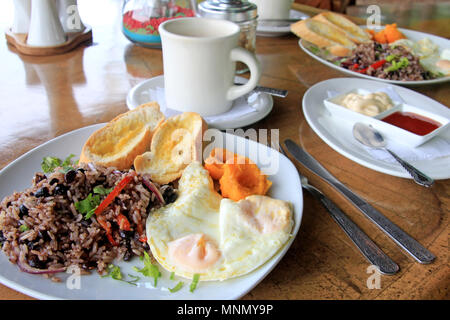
245, 111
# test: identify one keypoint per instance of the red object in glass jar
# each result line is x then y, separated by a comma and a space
412, 122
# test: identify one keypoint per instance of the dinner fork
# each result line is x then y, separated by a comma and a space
367, 247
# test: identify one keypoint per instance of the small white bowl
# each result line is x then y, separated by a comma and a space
389, 131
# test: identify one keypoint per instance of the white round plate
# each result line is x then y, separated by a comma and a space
239, 116
410, 34
271, 31
18, 174
337, 133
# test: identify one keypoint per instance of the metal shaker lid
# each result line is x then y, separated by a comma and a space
232, 10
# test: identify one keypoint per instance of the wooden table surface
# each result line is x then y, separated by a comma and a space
44, 97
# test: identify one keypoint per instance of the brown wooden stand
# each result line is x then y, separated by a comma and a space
19, 41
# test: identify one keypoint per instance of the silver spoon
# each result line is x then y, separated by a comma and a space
370, 137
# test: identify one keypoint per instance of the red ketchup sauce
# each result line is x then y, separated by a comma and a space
412, 122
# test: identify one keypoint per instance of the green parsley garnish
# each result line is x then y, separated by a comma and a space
149, 269
88, 205
172, 276
314, 49
101, 190
115, 273
23, 228
177, 287
194, 282
396, 65
391, 57
49, 164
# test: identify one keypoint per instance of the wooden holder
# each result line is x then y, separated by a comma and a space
19, 41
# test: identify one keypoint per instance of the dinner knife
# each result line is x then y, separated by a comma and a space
365, 245
405, 241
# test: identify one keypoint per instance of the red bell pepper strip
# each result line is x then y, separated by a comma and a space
105, 203
123, 222
113, 194
107, 226
375, 65
143, 239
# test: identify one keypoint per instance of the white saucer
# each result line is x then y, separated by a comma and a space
271, 31
241, 114
337, 132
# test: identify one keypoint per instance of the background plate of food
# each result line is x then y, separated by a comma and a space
86, 214
386, 53
432, 157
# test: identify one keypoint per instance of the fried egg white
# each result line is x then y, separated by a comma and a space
203, 233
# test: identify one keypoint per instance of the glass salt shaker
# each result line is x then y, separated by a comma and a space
141, 18
241, 12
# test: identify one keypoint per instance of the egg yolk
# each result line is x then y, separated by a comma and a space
194, 252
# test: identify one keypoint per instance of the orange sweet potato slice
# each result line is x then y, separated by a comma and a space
380, 37
242, 180
218, 156
392, 33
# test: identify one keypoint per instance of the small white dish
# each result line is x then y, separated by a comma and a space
246, 110
18, 174
410, 34
337, 131
336, 109
272, 31
389, 131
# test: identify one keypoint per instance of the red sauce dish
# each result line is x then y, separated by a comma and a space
412, 122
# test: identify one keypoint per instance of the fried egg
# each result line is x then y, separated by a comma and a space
203, 233
428, 53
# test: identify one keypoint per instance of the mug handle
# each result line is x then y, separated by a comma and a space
245, 56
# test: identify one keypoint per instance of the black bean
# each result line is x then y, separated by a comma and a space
53, 181
23, 210
44, 235
8, 204
169, 195
34, 262
61, 189
70, 176
2, 237
33, 245
126, 234
42, 192
81, 170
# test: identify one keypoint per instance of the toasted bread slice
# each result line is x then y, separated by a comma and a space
126, 136
324, 35
175, 144
351, 30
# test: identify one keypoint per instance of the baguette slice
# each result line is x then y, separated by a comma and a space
126, 136
175, 144
324, 35
351, 30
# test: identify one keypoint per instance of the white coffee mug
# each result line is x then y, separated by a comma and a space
199, 59
273, 9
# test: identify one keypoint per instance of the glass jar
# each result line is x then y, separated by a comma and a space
241, 12
141, 18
